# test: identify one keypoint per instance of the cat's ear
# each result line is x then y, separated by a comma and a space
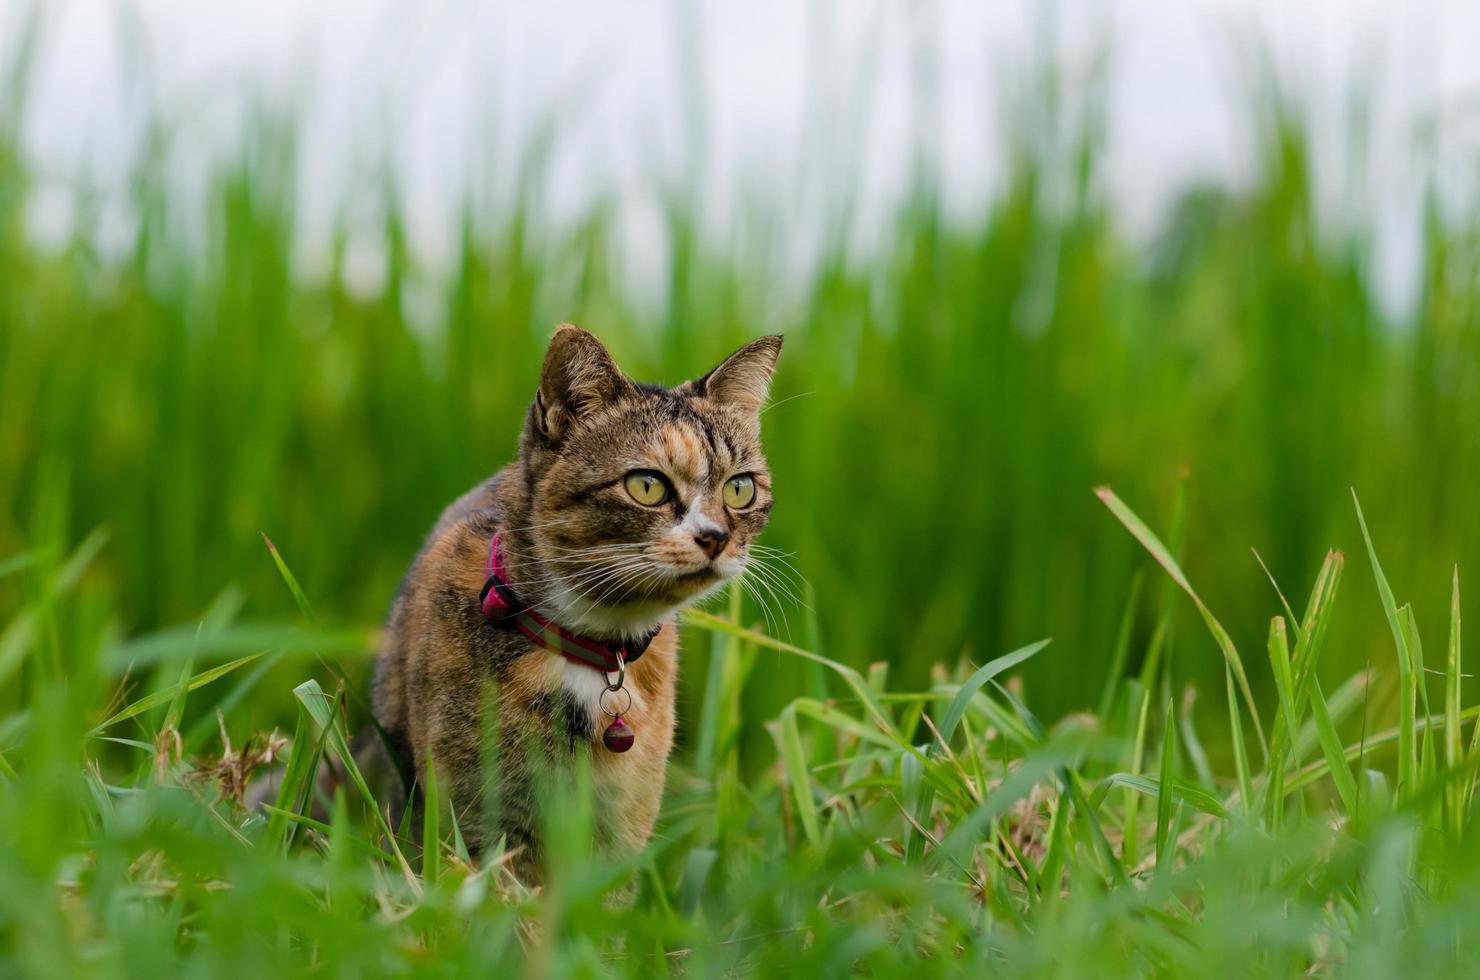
579, 377
744, 379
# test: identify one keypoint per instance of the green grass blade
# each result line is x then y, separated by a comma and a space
23, 560
300, 774
1164, 801
724, 647
1294, 622
292, 580
1341, 772
1121, 651
978, 679
1284, 679
1453, 672
1407, 756
298, 819
1408, 684
854, 680
353, 689
326, 714
431, 833
228, 702
161, 697
1153, 544
1152, 786
1240, 755
1340, 705
795, 759
1130, 851
971, 830
1384, 591
1191, 743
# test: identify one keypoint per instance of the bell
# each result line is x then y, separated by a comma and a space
618, 736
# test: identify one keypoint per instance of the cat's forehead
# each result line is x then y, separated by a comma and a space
690, 439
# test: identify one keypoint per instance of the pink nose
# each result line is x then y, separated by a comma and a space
712, 541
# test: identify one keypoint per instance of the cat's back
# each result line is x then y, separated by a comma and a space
435, 588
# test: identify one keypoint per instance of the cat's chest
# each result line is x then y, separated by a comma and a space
577, 703
589, 695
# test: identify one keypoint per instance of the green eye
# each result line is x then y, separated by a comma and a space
739, 492
647, 487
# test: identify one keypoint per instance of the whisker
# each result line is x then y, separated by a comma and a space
760, 601
581, 576
789, 398
780, 607
778, 580
575, 554
782, 557
536, 527
581, 584
639, 573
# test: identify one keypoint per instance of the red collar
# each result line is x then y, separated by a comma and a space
502, 606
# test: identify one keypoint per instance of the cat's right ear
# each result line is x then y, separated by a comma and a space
579, 377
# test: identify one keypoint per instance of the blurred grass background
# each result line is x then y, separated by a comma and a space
943, 408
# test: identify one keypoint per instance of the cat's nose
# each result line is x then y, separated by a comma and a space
711, 541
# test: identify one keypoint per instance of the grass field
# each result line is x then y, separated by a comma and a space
1195, 774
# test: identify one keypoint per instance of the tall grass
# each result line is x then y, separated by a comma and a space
1275, 796
936, 830
940, 414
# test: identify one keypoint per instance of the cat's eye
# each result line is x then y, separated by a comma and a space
647, 487
739, 492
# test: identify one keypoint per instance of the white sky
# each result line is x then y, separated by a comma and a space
445, 89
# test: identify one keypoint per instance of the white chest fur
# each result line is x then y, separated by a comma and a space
586, 684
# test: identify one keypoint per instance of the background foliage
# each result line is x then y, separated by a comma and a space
941, 412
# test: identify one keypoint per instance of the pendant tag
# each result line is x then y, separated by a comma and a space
618, 736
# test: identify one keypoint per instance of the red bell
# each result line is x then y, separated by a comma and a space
618, 737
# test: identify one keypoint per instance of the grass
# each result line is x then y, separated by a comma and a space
935, 830
894, 774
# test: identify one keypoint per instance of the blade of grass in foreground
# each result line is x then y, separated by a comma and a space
1240, 753
1407, 753
1122, 649
1164, 801
291, 580
979, 679
431, 834
724, 647
160, 697
1034, 768
1153, 544
1454, 799
794, 757
1130, 850
1341, 771
854, 680
1285, 731
1155, 787
302, 767
952, 719
318, 704
333, 666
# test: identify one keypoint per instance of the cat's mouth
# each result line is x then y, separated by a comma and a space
687, 581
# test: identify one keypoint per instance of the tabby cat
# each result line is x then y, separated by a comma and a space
536, 625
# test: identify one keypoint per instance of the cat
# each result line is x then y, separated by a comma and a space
627, 502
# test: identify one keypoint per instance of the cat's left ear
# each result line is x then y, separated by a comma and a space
579, 377
743, 380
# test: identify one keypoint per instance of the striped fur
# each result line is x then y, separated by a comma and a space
447, 676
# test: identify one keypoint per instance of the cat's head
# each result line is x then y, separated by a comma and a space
640, 498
